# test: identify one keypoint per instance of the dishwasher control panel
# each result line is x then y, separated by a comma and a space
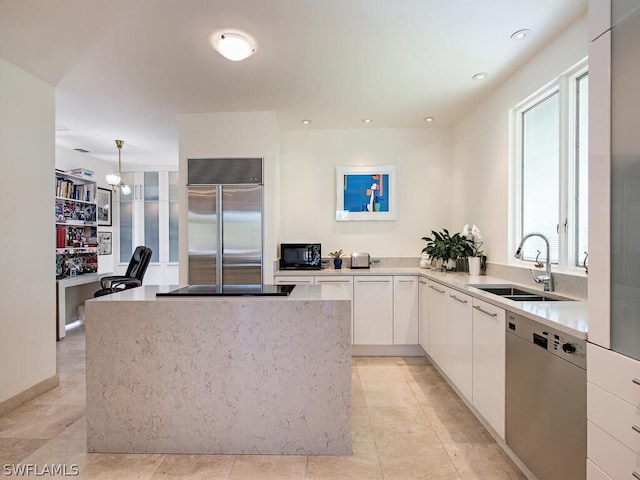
563, 345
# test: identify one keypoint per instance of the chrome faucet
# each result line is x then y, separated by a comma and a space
547, 278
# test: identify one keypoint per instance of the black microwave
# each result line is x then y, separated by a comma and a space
300, 256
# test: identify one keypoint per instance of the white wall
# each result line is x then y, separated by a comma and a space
481, 142
27, 241
228, 135
67, 159
309, 158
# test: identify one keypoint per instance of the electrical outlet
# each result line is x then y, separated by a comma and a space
375, 261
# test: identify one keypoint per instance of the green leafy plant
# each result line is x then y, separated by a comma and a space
336, 254
444, 246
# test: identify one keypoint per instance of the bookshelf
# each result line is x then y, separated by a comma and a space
76, 225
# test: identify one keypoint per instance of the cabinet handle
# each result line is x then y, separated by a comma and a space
434, 288
635, 428
406, 281
485, 312
135, 193
636, 381
333, 281
423, 282
373, 281
636, 475
458, 299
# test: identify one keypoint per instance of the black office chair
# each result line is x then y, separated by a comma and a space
133, 276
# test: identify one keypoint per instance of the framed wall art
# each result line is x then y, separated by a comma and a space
104, 243
366, 193
103, 200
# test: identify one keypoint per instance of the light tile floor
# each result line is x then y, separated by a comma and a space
408, 424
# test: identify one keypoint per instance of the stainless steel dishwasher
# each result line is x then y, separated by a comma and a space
546, 399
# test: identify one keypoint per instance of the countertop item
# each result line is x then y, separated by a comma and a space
230, 290
360, 260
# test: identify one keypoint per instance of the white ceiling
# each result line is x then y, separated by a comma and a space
126, 68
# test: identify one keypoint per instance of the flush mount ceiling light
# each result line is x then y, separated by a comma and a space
115, 179
428, 119
306, 121
520, 34
235, 46
366, 120
480, 76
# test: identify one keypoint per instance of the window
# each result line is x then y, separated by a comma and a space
550, 170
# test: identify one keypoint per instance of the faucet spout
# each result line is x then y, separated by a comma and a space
547, 278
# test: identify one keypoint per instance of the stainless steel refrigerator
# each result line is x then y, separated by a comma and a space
225, 233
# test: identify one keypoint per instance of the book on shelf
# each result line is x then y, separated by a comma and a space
61, 237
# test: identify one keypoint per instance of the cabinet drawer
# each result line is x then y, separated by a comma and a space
346, 281
618, 418
611, 456
614, 373
594, 473
291, 279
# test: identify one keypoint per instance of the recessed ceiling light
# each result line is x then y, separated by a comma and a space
306, 121
366, 120
520, 34
233, 45
428, 119
480, 76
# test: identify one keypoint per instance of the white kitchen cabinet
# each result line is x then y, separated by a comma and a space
344, 281
613, 413
459, 345
373, 310
149, 216
438, 323
423, 289
489, 351
405, 310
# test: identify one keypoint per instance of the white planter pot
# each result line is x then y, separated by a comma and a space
474, 265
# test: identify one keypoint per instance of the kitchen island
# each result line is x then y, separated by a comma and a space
219, 375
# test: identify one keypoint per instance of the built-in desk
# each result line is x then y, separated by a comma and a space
72, 292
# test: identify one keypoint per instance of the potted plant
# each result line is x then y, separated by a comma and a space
447, 248
477, 259
337, 261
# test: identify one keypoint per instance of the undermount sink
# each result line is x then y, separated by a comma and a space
517, 294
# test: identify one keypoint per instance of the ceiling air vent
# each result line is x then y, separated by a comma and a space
81, 150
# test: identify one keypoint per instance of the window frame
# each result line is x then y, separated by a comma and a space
566, 85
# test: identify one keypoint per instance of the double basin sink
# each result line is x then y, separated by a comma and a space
517, 294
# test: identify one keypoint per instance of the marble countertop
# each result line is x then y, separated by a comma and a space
567, 316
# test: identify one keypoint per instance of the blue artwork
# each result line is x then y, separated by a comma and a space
366, 192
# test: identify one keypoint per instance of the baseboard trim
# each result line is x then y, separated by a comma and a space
28, 394
387, 351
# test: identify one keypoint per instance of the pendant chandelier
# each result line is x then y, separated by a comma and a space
115, 179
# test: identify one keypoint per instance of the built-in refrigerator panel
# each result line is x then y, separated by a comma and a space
202, 234
241, 235
225, 227
625, 179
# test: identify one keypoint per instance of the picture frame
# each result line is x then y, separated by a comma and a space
366, 193
104, 207
104, 243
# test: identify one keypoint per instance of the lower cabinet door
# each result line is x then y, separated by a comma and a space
344, 281
460, 341
405, 310
489, 352
423, 289
373, 310
438, 340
